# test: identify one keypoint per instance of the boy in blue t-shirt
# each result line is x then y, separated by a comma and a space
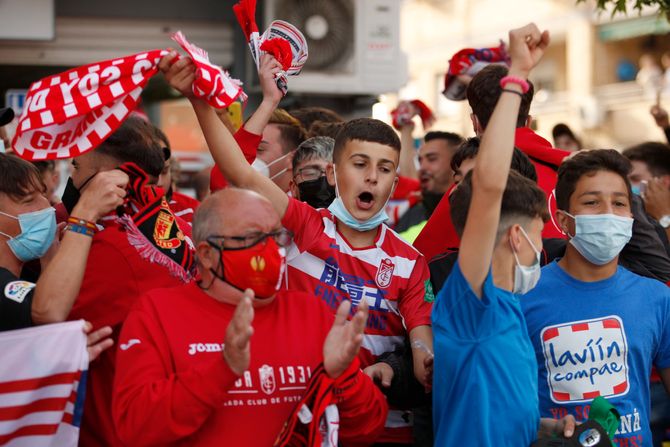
485, 387
596, 327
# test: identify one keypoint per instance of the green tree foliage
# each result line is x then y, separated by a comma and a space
621, 6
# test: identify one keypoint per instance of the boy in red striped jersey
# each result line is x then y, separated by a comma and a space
344, 252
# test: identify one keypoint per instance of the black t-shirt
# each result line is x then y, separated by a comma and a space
16, 298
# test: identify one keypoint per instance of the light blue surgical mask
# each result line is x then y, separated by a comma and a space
526, 277
600, 237
635, 189
38, 230
343, 215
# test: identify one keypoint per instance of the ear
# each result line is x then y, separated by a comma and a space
529, 121
665, 180
295, 192
514, 235
330, 174
564, 222
476, 126
207, 255
395, 185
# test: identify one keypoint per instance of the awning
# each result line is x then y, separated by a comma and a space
627, 29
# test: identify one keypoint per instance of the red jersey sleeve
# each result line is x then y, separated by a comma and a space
248, 142
106, 293
152, 405
362, 407
414, 306
304, 222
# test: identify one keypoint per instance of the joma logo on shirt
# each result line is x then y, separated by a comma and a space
197, 348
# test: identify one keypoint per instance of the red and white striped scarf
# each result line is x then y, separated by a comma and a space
71, 113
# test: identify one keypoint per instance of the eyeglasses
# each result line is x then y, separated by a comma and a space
282, 237
309, 173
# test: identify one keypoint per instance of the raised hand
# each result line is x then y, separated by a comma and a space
269, 67
179, 73
660, 116
97, 341
344, 339
381, 373
526, 48
101, 195
656, 199
237, 346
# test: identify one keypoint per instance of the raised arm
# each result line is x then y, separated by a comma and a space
407, 152
223, 147
60, 281
492, 167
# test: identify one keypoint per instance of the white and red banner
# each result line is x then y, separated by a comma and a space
68, 114
42, 385
71, 113
211, 81
284, 41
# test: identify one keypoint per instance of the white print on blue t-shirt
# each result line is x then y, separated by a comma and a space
586, 359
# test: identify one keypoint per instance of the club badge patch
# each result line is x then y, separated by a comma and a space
163, 229
586, 359
18, 290
267, 375
385, 273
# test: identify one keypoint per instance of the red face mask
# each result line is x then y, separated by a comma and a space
259, 267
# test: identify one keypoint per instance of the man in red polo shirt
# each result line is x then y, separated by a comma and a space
229, 358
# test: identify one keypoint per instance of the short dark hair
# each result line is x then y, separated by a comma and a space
365, 129
135, 141
453, 139
309, 115
588, 163
484, 90
313, 148
522, 200
655, 155
19, 177
45, 165
324, 129
470, 147
291, 131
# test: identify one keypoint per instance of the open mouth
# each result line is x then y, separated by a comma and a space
365, 200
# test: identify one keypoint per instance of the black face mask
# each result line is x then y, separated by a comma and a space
430, 200
71, 194
317, 193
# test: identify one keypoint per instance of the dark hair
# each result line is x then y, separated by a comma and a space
135, 141
365, 129
453, 139
309, 115
44, 166
484, 90
522, 199
655, 155
588, 163
470, 147
324, 129
319, 148
291, 131
19, 177
561, 129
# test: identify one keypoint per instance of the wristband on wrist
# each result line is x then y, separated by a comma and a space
82, 223
515, 80
513, 91
80, 229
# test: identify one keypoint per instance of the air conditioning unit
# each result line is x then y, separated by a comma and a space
354, 45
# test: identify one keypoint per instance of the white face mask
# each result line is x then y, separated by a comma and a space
264, 168
526, 277
599, 238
